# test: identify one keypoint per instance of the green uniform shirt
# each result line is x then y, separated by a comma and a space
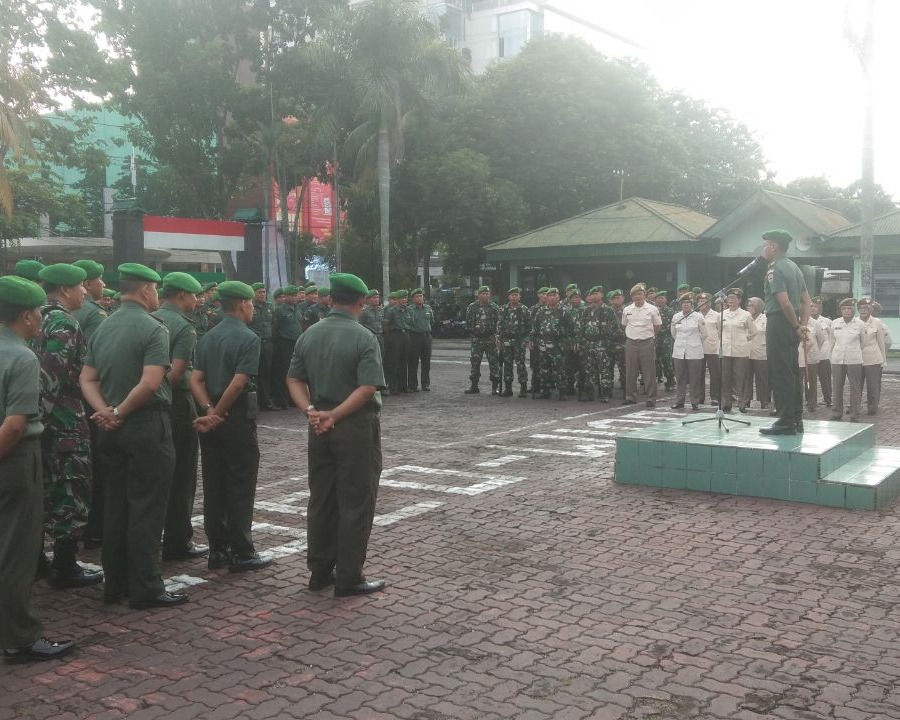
336, 356
420, 318
315, 313
89, 316
288, 319
396, 318
182, 339
783, 275
123, 344
263, 319
19, 381
229, 349
372, 318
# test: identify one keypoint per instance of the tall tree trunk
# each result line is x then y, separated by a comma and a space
384, 204
426, 270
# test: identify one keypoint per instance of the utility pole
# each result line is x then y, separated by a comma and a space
336, 211
621, 174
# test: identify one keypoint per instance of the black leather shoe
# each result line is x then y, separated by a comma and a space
218, 559
41, 649
777, 429
651, 403
73, 576
678, 406
695, 407
366, 587
320, 582
190, 552
164, 599
92, 543
629, 402
426, 388
249, 562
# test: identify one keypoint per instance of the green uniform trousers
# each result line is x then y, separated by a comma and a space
344, 470
138, 459
179, 531
396, 368
281, 363
230, 461
784, 369
264, 372
21, 538
419, 352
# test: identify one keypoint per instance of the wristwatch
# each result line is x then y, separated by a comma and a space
308, 408
116, 412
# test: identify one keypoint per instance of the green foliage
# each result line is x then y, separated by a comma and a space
846, 200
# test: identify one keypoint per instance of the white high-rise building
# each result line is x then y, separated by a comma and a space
489, 31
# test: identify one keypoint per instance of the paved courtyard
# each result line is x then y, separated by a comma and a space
523, 584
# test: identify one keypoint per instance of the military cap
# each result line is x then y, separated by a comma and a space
182, 281
258, 286
662, 293
736, 292
235, 289
817, 300
686, 297
876, 307
595, 289
109, 292
91, 267
574, 292
704, 296
683, 286
652, 290
290, 290
309, 290
514, 290
614, 294
782, 237
696, 290
553, 291
278, 292
349, 283
21, 292
864, 301
210, 286
371, 293
62, 274
136, 271
417, 291
640, 287
29, 269
324, 291
570, 286
402, 294
848, 302
542, 290
309, 286
483, 288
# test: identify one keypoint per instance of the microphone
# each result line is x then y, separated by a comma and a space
751, 265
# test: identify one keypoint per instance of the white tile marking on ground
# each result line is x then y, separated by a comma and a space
592, 433
406, 512
291, 548
557, 436
282, 429
180, 582
271, 529
569, 453
451, 362
470, 490
418, 469
277, 507
505, 460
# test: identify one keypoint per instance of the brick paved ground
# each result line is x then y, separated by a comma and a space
523, 584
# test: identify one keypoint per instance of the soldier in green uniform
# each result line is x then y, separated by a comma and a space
223, 386
263, 324
306, 298
534, 353
396, 341
204, 307
89, 316
787, 307
594, 332
617, 341
665, 343
574, 368
286, 328
421, 318
124, 381
21, 491
179, 296
106, 302
513, 330
29, 269
372, 319
335, 376
321, 309
551, 332
481, 320
66, 440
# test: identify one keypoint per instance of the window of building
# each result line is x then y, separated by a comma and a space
514, 29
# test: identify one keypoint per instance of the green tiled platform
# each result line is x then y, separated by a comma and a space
832, 463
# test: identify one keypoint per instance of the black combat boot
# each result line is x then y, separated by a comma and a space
43, 567
65, 572
523, 390
473, 390
507, 390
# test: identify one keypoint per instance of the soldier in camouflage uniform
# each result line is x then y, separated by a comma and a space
66, 440
617, 342
204, 301
574, 370
595, 332
550, 333
481, 320
665, 343
513, 329
534, 354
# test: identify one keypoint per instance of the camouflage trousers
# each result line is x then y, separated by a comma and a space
574, 369
534, 359
477, 350
598, 368
552, 370
665, 365
616, 360
67, 485
513, 353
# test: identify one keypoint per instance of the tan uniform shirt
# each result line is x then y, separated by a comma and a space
640, 321
738, 329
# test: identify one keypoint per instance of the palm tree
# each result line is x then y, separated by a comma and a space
381, 69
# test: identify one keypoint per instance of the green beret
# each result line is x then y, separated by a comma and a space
182, 281
484, 288
570, 286
309, 290
350, 283
91, 267
662, 293
62, 274
402, 294
21, 292
29, 269
311, 287
371, 293
514, 290
417, 291
696, 290
117, 296
553, 291
258, 286
324, 291
543, 290
574, 292
235, 289
614, 294
782, 237
595, 289
683, 286
210, 286
136, 271
109, 292
278, 292
290, 290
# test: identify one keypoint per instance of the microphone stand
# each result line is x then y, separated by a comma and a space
719, 415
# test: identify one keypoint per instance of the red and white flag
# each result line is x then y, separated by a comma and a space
169, 233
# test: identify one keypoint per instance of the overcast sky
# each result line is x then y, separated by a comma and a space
783, 67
